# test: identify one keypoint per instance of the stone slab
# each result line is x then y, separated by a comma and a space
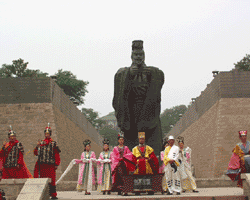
204, 193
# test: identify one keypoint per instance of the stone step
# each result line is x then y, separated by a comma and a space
204, 194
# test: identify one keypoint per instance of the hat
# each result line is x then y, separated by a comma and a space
86, 142
105, 141
170, 137
48, 129
137, 45
180, 139
120, 135
141, 135
11, 132
241, 133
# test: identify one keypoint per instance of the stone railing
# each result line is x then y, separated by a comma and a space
26, 189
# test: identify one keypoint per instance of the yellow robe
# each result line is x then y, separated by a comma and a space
137, 154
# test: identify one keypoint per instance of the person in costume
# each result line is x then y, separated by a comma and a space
2, 193
144, 157
240, 159
86, 177
48, 160
11, 157
105, 178
161, 169
188, 182
121, 164
171, 162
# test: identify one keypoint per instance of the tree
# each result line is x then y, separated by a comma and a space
93, 118
244, 63
110, 133
19, 69
170, 116
74, 88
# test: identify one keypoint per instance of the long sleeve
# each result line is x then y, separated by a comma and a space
57, 158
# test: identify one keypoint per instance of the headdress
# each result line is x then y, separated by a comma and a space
170, 137
241, 133
180, 139
120, 135
106, 141
137, 45
141, 135
48, 129
86, 142
11, 132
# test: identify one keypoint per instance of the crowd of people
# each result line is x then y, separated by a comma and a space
111, 165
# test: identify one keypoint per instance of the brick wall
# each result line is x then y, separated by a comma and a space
29, 104
211, 123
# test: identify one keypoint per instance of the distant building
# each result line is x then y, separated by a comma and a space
110, 120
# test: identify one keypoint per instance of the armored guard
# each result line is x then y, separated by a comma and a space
48, 160
11, 156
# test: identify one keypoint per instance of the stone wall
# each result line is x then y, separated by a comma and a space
29, 104
210, 125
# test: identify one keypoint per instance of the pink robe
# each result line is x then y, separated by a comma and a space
163, 165
78, 161
101, 167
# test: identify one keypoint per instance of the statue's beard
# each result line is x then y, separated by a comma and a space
138, 62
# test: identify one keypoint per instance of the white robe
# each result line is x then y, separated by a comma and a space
172, 177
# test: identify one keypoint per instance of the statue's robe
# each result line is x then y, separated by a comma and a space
137, 98
144, 157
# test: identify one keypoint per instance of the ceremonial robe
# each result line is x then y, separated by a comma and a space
172, 175
86, 177
11, 156
121, 164
48, 158
137, 98
104, 173
188, 181
239, 162
145, 159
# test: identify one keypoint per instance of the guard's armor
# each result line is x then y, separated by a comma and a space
13, 155
46, 153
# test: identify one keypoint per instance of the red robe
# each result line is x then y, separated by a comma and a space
146, 161
48, 170
13, 172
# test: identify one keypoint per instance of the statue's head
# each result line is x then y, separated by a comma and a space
138, 54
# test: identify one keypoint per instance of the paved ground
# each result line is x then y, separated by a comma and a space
203, 192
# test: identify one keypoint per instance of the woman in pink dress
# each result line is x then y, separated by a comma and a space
121, 164
86, 179
104, 165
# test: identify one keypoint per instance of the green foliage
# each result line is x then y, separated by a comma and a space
74, 88
19, 69
170, 116
93, 118
244, 63
110, 133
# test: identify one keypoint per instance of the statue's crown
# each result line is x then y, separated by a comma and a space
137, 45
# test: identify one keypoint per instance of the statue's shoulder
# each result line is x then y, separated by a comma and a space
122, 70
154, 70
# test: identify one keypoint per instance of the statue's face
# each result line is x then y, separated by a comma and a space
138, 57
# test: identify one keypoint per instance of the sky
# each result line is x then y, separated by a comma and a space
187, 40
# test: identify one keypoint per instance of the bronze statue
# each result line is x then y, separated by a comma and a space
137, 99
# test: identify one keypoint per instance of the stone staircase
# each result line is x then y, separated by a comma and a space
231, 193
